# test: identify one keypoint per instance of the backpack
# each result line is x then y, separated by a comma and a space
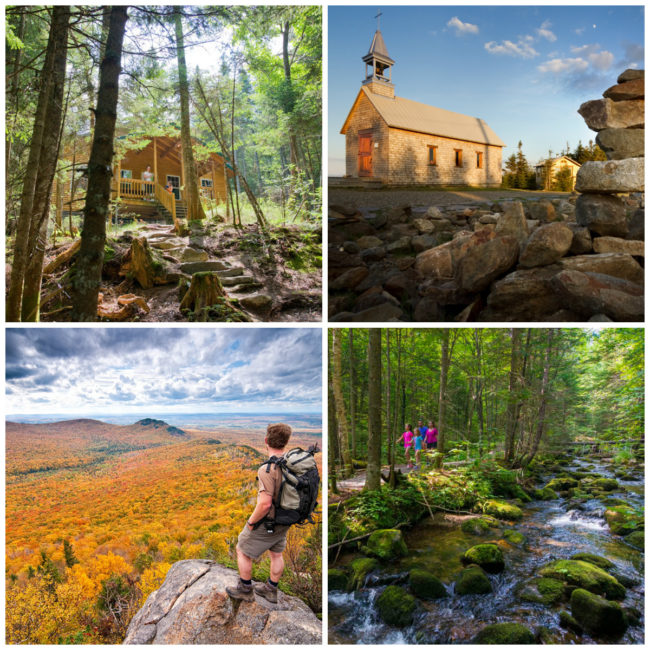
296, 498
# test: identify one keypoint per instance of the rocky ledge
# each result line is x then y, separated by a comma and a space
192, 607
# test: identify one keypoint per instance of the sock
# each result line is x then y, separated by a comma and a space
273, 584
248, 583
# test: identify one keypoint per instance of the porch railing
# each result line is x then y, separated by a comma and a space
133, 188
167, 200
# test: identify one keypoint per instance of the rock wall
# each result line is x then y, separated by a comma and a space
192, 607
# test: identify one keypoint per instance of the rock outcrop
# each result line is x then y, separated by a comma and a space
192, 607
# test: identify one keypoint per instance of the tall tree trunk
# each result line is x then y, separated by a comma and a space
331, 440
444, 370
88, 269
388, 413
289, 103
13, 97
513, 399
479, 390
191, 181
373, 470
396, 421
58, 35
339, 403
353, 394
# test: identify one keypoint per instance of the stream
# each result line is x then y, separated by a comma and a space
553, 530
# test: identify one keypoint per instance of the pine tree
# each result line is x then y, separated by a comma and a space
68, 553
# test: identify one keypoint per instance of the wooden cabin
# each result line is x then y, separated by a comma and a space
138, 194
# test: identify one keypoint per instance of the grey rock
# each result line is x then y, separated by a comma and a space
602, 214
512, 222
434, 213
622, 143
546, 245
636, 225
428, 310
602, 114
618, 245
259, 303
378, 221
619, 265
372, 298
237, 280
565, 208
599, 318
423, 243
486, 261
349, 279
611, 176
439, 263
402, 245
368, 241
373, 254
200, 267
543, 211
581, 242
629, 74
351, 247
489, 218
386, 312
194, 255
631, 89
424, 226
345, 210
230, 273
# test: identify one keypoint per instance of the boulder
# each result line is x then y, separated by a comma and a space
636, 539
512, 222
618, 245
349, 279
569, 623
486, 261
488, 556
434, 213
368, 241
636, 225
623, 520
472, 580
602, 114
399, 246
546, 245
428, 310
618, 265
602, 214
201, 267
594, 293
260, 304
621, 143
587, 576
425, 585
543, 211
629, 74
476, 526
581, 242
337, 580
194, 255
360, 568
596, 560
611, 176
514, 537
386, 544
598, 616
439, 263
632, 89
562, 483
545, 494
424, 226
605, 484
502, 510
546, 591
396, 606
192, 607
380, 313
422, 243
504, 634
373, 254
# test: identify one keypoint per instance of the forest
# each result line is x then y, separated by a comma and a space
163, 163
493, 473
96, 514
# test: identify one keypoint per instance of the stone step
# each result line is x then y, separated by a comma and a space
237, 280
202, 267
229, 273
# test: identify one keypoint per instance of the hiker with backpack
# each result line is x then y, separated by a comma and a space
287, 490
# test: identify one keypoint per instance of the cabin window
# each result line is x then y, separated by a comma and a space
433, 155
479, 159
126, 173
206, 182
458, 155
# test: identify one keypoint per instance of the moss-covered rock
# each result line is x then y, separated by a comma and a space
396, 606
623, 520
425, 585
562, 483
476, 526
596, 560
472, 580
513, 536
337, 580
361, 567
502, 510
613, 501
386, 544
636, 539
504, 634
605, 484
569, 623
545, 494
587, 576
487, 556
546, 591
598, 616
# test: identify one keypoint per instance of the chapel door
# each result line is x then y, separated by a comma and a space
365, 154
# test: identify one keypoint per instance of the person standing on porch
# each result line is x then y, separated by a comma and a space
147, 176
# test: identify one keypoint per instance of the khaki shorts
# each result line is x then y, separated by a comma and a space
253, 543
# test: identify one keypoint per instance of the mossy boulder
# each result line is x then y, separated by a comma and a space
386, 544
472, 580
396, 606
425, 585
587, 576
502, 510
605, 484
476, 526
504, 634
598, 616
623, 520
562, 483
545, 494
487, 556
596, 560
337, 580
513, 536
613, 501
636, 539
569, 623
361, 567
546, 591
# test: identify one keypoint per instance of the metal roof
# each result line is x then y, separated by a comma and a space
406, 114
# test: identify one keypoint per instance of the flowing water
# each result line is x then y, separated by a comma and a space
553, 530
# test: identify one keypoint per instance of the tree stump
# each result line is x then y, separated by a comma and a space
145, 268
205, 291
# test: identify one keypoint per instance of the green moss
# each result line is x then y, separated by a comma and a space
587, 576
569, 623
361, 567
426, 585
396, 606
605, 484
596, 560
560, 484
596, 615
337, 580
386, 544
504, 634
546, 591
476, 526
109, 253
472, 580
613, 501
623, 520
545, 494
502, 510
487, 556
514, 537
636, 539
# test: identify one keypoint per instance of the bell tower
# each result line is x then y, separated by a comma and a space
378, 66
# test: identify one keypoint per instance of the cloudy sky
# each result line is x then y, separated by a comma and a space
524, 70
171, 370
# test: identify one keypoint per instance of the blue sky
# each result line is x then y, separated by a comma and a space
163, 370
524, 70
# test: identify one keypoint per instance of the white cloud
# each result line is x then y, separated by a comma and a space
579, 30
522, 48
563, 66
545, 32
461, 27
601, 60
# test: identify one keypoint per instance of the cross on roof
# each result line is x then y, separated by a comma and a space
379, 14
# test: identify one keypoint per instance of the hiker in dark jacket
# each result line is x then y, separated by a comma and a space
260, 534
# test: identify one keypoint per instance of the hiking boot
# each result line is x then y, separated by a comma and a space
267, 591
241, 591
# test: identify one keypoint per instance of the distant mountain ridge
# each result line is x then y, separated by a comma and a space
161, 424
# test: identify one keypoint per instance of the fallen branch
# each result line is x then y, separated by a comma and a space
356, 539
63, 257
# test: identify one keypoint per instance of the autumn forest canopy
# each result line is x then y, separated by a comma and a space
204, 118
